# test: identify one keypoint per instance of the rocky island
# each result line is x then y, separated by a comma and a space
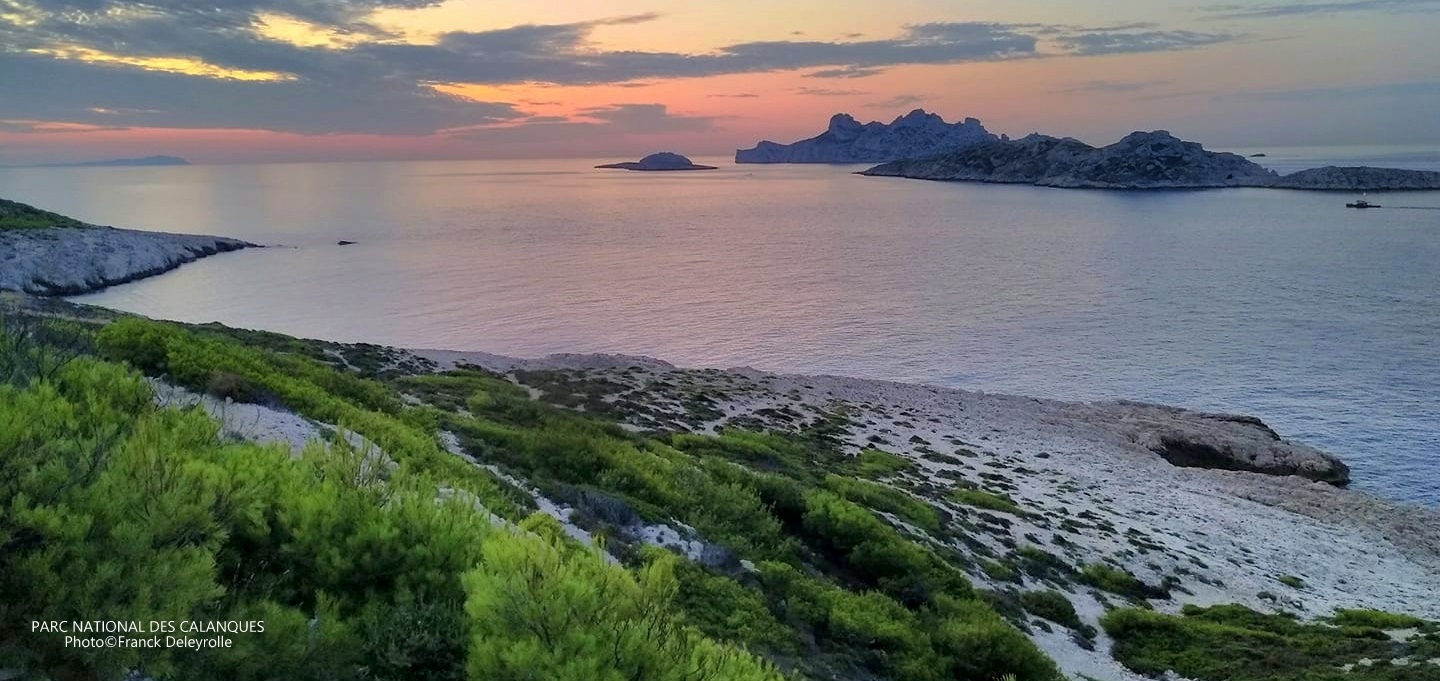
661, 161
846, 140
49, 254
1360, 178
1141, 160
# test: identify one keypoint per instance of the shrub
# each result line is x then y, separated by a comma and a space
1051, 605
1119, 582
1376, 619
986, 500
1233, 643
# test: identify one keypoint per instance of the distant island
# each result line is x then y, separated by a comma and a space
846, 140
121, 162
1141, 160
664, 160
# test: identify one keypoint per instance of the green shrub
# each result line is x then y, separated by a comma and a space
882, 497
986, 500
1233, 643
1376, 619
1051, 605
876, 463
1119, 582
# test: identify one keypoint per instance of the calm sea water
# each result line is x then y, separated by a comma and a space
1323, 321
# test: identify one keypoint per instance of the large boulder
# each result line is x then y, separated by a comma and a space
1225, 441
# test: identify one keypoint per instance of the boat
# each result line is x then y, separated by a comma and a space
1362, 203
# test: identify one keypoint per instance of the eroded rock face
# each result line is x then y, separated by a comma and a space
1226, 442
846, 140
72, 260
1142, 160
1360, 178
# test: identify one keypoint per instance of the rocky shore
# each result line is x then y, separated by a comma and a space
1219, 504
57, 261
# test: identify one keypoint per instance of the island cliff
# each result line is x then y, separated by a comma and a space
1142, 160
846, 140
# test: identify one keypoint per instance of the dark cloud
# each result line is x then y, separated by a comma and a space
1110, 86
377, 83
1409, 90
650, 118
43, 127
607, 122
1293, 9
828, 92
848, 72
73, 91
897, 102
1091, 43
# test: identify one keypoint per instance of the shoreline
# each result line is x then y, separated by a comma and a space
1225, 536
1086, 482
73, 260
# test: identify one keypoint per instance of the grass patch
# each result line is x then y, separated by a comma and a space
1233, 643
1377, 619
15, 215
986, 500
1119, 582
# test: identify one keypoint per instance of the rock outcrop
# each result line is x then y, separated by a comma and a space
1142, 160
73, 260
846, 140
1226, 442
660, 161
1360, 178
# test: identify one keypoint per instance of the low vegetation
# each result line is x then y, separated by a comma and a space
14, 215
389, 563
1233, 643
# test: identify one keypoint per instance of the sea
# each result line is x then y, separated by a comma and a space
1321, 320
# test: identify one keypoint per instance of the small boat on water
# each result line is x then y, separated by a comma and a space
1362, 203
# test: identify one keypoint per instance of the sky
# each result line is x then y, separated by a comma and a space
235, 81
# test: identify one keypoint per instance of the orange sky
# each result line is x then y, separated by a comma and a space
1263, 73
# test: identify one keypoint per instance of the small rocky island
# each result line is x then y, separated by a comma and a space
1141, 160
1360, 178
664, 160
846, 140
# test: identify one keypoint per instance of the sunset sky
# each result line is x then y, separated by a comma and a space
290, 80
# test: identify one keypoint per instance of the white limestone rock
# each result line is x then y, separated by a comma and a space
73, 260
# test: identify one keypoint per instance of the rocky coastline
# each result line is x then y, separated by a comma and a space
1141, 160
70, 260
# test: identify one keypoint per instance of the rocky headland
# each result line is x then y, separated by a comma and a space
48, 254
846, 140
661, 161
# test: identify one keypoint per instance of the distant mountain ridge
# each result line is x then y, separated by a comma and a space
121, 162
846, 140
